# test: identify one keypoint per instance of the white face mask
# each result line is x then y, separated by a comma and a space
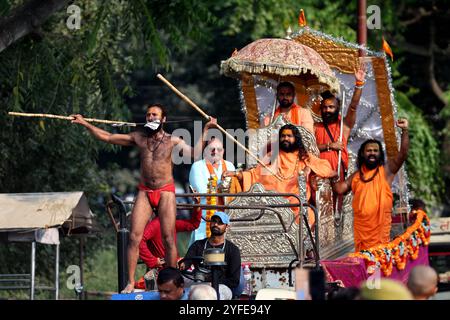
153, 125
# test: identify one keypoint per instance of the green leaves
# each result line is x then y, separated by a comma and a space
423, 163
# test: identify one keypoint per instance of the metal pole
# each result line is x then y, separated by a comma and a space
291, 284
341, 131
339, 168
301, 181
316, 231
301, 255
122, 244
33, 266
122, 259
57, 272
81, 249
362, 25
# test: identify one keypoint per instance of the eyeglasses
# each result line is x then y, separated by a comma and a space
216, 222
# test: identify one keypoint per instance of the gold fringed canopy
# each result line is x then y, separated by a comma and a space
248, 88
283, 58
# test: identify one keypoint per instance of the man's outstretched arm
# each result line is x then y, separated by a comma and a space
350, 117
182, 225
200, 145
396, 163
196, 152
102, 135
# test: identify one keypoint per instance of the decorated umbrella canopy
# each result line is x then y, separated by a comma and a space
262, 64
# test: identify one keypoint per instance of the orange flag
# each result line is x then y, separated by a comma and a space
302, 19
388, 49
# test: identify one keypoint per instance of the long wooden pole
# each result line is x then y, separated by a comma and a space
54, 116
207, 117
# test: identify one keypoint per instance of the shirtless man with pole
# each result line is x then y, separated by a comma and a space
156, 187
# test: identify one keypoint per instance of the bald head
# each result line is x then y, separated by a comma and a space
202, 292
422, 282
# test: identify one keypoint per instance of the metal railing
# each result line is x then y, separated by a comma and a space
264, 208
27, 281
123, 232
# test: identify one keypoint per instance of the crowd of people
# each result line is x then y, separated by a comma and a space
154, 240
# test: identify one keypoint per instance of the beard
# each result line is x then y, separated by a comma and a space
152, 127
370, 164
330, 117
216, 231
285, 103
286, 146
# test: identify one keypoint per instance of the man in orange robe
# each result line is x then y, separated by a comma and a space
291, 160
328, 132
371, 186
291, 112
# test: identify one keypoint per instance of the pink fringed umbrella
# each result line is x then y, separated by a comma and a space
281, 58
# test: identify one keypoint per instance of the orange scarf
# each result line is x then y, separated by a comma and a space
211, 167
292, 115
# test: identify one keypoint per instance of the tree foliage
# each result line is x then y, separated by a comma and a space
424, 161
61, 71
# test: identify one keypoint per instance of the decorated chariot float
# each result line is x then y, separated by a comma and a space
274, 239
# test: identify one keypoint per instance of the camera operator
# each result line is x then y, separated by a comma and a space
230, 274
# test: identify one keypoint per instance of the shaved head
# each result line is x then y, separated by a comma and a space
422, 282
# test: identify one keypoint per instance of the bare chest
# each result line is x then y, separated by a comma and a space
155, 149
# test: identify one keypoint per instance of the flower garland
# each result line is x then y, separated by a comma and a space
211, 189
398, 251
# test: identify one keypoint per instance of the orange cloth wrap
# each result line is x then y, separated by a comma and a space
285, 163
322, 137
298, 116
372, 208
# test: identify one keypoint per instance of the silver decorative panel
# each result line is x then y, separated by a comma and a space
264, 243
